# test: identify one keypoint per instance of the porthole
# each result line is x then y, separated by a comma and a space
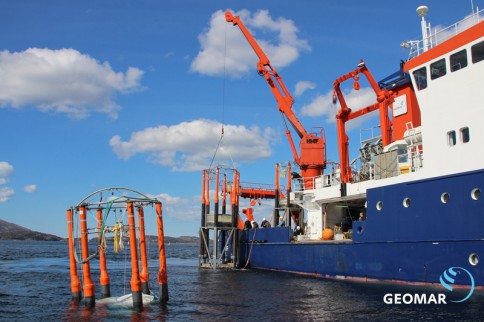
445, 197
360, 230
473, 259
476, 193
379, 205
406, 202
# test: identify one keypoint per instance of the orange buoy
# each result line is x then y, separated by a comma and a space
328, 234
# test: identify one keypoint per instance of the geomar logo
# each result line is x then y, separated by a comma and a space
448, 277
452, 275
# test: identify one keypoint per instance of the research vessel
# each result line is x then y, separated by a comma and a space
407, 209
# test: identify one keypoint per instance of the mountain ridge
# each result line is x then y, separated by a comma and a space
11, 231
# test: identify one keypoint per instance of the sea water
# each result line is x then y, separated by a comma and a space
35, 286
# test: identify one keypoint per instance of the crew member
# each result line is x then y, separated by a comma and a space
265, 224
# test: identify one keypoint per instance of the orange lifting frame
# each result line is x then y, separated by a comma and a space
139, 279
384, 99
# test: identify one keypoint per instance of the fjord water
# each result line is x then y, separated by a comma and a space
35, 285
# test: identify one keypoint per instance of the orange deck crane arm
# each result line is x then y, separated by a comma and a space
274, 80
312, 157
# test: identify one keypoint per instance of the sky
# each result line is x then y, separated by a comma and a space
98, 94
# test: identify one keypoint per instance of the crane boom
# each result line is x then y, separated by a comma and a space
265, 69
312, 158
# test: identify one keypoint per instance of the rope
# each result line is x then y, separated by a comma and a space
218, 145
224, 78
89, 257
116, 238
124, 273
250, 251
102, 245
106, 212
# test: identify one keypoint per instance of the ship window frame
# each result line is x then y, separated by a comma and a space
420, 78
451, 138
476, 194
458, 60
406, 202
464, 134
379, 205
473, 259
477, 52
438, 69
445, 197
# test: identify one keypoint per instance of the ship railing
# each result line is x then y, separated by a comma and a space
298, 185
416, 158
318, 182
440, 34
260, 186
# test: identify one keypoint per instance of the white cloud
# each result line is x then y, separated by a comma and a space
224, 48
5, 194
5, 169
30, 188
190, 146
182, 208
63, 81
323, 105
303, 86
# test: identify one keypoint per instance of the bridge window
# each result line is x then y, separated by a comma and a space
458, 60
437, 69
464, 134
420, 76
477, 52
451, 138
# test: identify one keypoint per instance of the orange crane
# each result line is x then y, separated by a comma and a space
312, 157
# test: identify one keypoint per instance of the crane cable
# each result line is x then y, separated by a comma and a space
284, 120
223, 105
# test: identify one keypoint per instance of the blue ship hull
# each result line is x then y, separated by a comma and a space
397, 243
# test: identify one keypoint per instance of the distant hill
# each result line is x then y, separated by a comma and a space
16, 232
175, 240
12, 231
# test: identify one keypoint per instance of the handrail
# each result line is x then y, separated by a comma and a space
441, 35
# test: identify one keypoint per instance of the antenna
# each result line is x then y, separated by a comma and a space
422, 12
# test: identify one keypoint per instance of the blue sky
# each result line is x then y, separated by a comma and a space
97, 94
